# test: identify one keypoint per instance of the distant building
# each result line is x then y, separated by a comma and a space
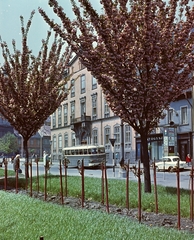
5, 127
37, 143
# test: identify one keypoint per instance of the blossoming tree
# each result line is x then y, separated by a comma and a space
140, 51
32, 87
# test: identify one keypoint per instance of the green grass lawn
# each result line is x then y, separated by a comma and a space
27, 218
9, 172
167, 197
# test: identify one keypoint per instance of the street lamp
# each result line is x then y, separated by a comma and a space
112, 141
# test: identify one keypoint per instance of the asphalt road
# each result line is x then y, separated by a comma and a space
162, 178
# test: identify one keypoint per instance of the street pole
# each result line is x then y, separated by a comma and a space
112, 141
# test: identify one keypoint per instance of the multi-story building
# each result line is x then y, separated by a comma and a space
174, 134
85, 118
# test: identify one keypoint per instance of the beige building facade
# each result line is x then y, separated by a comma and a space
85, 118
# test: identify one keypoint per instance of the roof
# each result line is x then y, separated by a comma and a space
45, 131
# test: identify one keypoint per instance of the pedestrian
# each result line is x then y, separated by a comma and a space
46, 159
16, 163
188, 159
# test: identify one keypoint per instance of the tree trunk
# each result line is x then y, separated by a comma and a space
146, 163
25, 145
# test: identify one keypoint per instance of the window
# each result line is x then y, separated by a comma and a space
54, 119
65, 140
107, 135
66, 89
184, 119
170, 115
106, 110
65, 111
73, 111
127, 134
54, 143
94, 83
72, 88
94, 106
117, 134
59, 116
95, 136
66, 72
60, 143
81, 66
83, 105
73, 139
83, 83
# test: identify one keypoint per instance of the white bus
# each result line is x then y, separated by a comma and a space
92, 155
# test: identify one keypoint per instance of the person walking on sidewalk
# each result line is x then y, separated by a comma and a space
46, 160
188, 159
16, 163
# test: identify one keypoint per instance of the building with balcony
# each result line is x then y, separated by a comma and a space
85, 118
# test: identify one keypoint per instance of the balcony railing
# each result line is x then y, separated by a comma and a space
83, 118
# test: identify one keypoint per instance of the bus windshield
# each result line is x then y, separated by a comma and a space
101, 150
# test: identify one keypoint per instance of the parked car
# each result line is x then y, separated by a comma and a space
170, 163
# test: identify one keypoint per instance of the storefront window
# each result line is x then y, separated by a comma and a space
156, 150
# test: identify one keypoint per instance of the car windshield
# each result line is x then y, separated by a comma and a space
172, 159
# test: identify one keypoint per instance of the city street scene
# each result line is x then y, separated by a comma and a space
97, 118
163, 178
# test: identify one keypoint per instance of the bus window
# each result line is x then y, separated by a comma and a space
80, 151
76, 151
94, 150
85, 151
72, 152
89, 151
67, 152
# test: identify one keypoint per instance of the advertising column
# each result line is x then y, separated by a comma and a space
170, 141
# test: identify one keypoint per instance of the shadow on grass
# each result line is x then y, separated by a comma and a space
173, 190
11, 183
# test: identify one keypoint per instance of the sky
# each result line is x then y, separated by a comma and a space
10, 12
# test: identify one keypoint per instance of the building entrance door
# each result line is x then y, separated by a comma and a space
183, 150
